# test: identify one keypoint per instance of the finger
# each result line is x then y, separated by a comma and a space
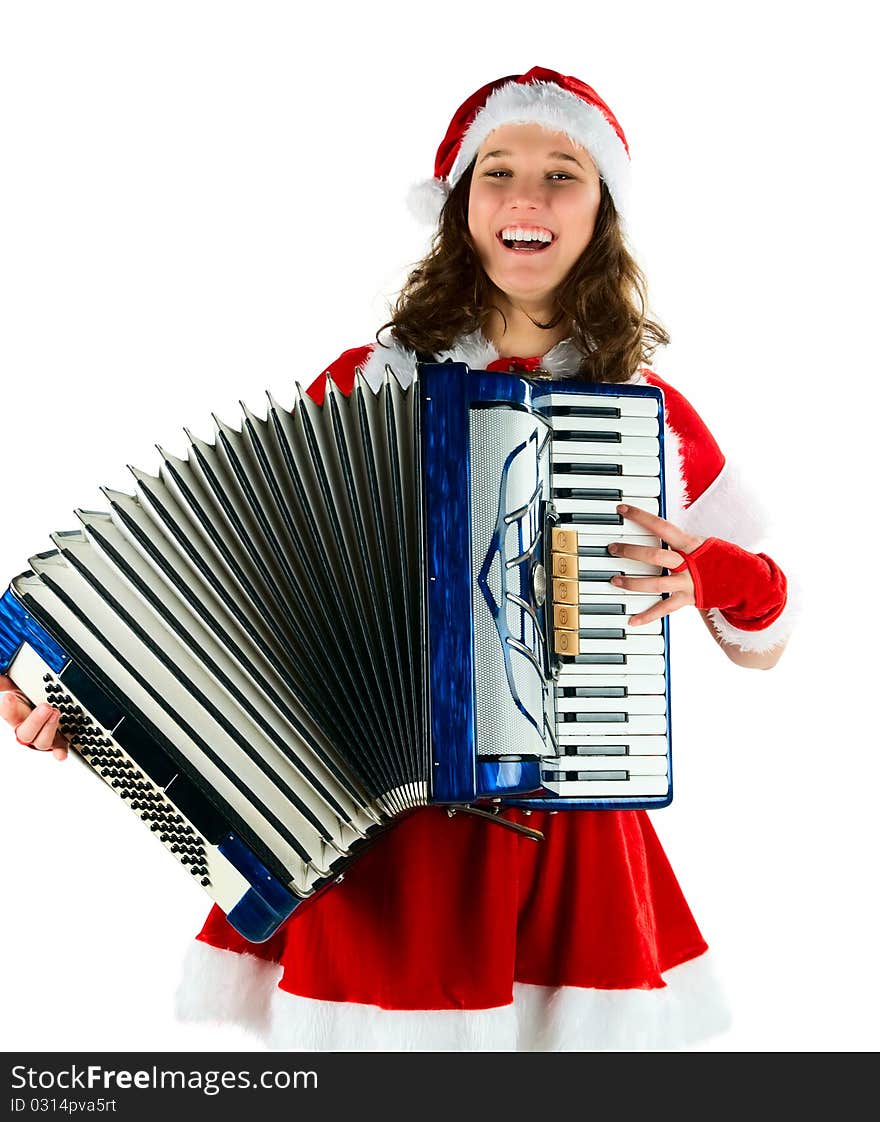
28, 729
660, 528
652, 555
675, 582
660, 609
44, 740
14, 707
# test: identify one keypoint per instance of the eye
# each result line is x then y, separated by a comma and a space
496, 172
560, 175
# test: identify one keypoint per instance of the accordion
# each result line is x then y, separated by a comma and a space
337, 613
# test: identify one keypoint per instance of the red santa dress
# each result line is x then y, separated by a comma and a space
453, 933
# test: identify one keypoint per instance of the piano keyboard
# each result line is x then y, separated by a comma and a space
611, 690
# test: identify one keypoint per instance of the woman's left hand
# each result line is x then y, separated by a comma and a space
679, 586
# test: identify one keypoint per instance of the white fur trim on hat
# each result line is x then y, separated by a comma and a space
538, 103
557, 110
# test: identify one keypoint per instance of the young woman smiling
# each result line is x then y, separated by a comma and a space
450, 932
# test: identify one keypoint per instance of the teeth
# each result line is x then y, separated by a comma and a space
517, 233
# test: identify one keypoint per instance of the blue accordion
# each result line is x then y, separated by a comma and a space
337, 613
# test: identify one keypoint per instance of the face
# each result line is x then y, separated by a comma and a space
532, 209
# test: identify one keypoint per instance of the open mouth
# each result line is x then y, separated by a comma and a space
529, 239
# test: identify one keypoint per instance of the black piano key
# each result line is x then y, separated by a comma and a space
603, 659
597, 750
593, 718
584, 776
586, 411
593, 519
580, 468
593, 691
601, 633
587, 493
599, 574
586, 437
603, 609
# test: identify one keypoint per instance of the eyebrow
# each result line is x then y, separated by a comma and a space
550, 155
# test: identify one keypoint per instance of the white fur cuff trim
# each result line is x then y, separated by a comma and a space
222, 985
760, 642
728, 509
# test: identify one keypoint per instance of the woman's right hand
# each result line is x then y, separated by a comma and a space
33, 727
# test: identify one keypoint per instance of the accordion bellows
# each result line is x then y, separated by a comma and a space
339, 612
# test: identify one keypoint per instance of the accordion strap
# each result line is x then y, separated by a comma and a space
495, 816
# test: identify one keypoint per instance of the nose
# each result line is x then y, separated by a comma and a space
526, 196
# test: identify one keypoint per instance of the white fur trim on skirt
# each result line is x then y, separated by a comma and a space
224, 986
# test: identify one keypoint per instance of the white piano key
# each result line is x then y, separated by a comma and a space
611, 564
599, 541
635, 665
570, 677
633, 602
606, 589
654, 627
605, 532
628, 406
632, 644
635, 765
567, 452
618, 746
641, 703
610, 451
627, 426
640, 724
641, 786
605, 506
635, 485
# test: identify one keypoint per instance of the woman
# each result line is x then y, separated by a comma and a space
450, 932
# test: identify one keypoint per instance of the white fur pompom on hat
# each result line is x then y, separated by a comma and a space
556, 102
425, 200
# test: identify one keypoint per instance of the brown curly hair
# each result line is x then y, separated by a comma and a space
603, 297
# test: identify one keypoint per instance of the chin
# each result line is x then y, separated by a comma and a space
521, 284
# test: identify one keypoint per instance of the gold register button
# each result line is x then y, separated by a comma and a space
566, 640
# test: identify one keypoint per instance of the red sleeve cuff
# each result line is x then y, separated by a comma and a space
749, 589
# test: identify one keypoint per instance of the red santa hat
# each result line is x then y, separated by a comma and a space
544, 97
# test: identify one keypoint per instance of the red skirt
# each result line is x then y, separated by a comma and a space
451, 912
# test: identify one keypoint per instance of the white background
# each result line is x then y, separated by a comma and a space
201, 201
